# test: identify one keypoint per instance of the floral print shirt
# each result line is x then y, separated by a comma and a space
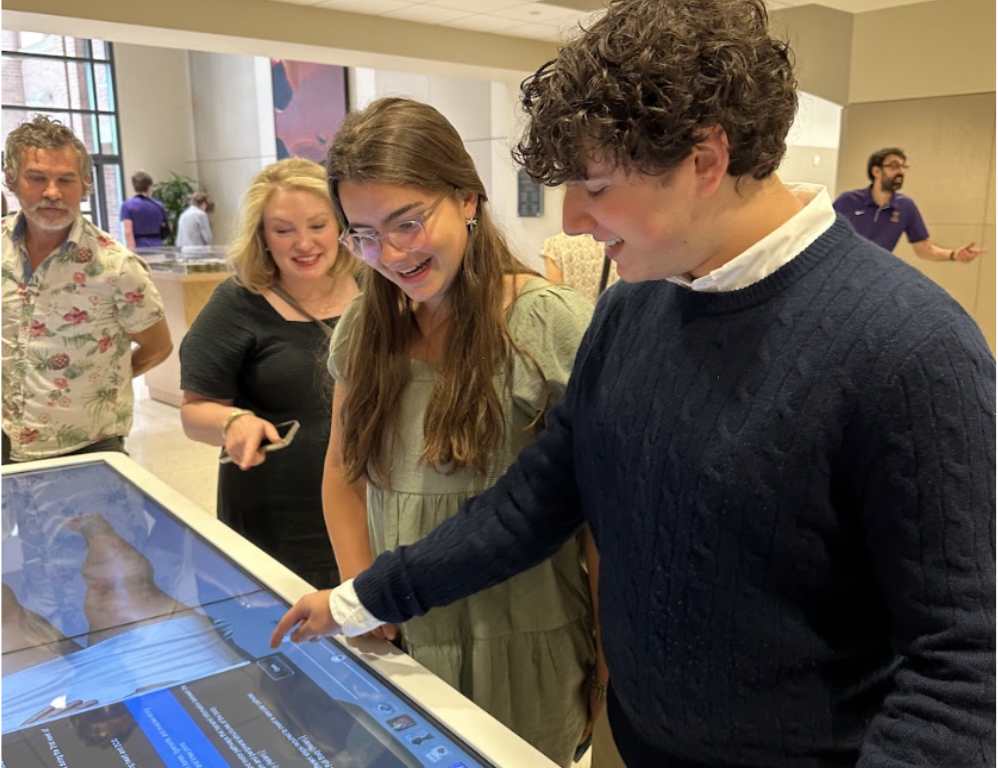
67, 363
581, 261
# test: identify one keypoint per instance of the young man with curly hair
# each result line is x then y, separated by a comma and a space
782, 438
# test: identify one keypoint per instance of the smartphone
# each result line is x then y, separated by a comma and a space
286, 430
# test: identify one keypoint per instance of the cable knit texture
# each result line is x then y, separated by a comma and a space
792, 487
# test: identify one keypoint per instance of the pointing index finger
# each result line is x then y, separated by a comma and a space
287, 622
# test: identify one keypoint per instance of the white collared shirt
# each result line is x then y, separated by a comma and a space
774, 250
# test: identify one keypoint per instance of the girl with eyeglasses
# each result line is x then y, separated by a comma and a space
445, 368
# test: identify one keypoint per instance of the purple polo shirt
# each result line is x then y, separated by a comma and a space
882, 225
147, 216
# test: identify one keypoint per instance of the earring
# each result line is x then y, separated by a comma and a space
471, 223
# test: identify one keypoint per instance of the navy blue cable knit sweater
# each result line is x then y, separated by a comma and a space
792, 487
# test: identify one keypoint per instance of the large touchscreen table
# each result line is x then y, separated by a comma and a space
130, 640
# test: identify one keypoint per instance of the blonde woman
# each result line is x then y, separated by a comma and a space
254, 358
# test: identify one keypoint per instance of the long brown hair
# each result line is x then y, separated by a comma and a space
407, 143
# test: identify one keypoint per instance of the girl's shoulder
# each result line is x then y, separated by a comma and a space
538, 298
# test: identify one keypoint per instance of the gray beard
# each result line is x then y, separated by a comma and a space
48, 225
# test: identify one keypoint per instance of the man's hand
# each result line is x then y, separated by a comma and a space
311, 618
969, 252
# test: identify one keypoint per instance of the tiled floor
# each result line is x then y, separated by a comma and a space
158, 443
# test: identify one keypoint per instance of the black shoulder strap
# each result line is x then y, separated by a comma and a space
294, 303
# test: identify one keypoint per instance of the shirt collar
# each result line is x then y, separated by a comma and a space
75, 235
17, 227
774, 250
72, 239
869, 202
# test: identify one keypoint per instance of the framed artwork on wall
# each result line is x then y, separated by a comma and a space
529, 196
310, 103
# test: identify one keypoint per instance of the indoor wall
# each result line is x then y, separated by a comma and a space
233, 114
920, 77
950, 144
813, 143
153, 88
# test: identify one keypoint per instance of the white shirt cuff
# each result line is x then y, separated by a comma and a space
353, 618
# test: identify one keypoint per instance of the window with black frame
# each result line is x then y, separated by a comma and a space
71, 80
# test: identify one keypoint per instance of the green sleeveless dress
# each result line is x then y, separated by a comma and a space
521, 650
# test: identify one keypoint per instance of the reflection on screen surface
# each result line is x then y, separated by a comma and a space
129, 641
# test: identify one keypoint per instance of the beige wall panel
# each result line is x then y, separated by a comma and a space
949, 142
959, 280
989, 211
923, 50
154, 104
227, 180
985, 314
821, 39
799, 165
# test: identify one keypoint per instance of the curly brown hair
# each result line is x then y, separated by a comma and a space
638, 89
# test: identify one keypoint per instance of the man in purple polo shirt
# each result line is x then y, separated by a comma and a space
144, 217
881, 213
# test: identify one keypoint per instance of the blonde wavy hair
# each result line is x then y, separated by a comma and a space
248, 255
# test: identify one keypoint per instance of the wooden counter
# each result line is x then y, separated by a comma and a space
184, 296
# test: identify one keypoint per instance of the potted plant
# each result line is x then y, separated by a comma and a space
175, 195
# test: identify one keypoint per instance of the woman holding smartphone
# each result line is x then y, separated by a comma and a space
252, 365
446, 367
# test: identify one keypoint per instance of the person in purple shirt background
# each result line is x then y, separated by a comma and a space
881, 213
144, 218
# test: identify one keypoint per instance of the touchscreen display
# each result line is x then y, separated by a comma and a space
129, 641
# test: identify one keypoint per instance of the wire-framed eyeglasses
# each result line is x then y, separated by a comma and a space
406, 236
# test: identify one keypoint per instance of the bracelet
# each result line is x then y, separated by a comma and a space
232, 417
596, 686
952, 255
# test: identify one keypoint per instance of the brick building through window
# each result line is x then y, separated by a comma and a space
71, 80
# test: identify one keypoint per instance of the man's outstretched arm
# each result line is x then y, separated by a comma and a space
926, 249
519, 522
